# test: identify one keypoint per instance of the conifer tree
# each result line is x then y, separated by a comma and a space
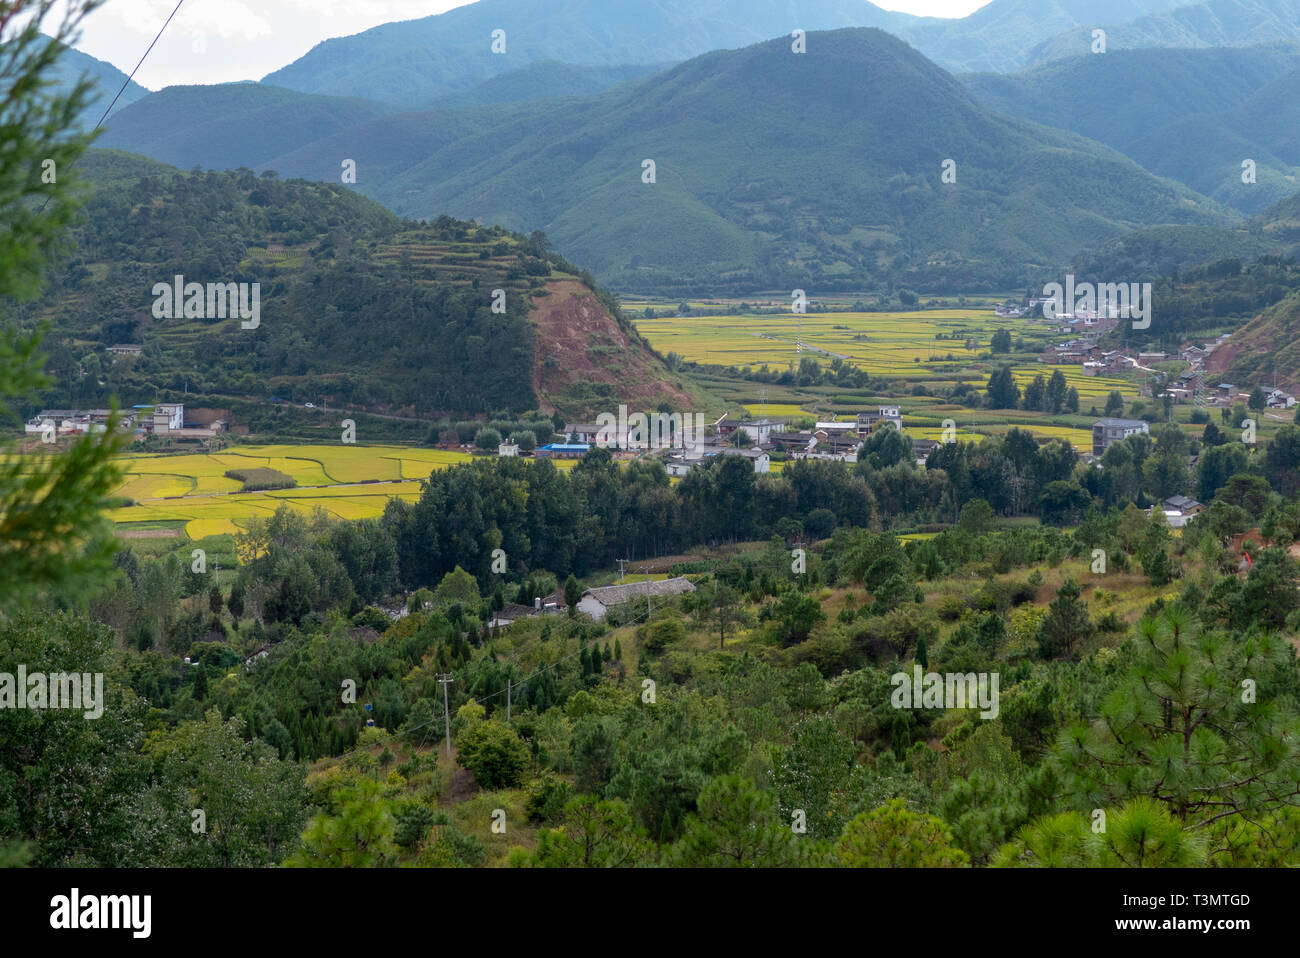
1067, 622
52, 535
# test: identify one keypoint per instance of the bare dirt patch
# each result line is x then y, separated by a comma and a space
578, 342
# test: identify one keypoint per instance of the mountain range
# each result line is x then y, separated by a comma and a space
410, 64
772, 170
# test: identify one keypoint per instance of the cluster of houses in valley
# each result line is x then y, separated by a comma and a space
837, 440
1192, 385
159, 419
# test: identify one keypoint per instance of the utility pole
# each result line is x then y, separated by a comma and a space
621, 564
647, 595
508, 697
446, 680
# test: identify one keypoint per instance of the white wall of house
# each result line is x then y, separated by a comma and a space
593, 607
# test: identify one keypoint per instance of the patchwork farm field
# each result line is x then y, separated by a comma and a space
348, 482
910, 345
921, 347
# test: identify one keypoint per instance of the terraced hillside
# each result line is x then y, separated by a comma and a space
358, 310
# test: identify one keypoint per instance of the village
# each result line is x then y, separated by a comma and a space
165, 420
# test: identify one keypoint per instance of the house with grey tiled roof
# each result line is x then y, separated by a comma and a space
597, 602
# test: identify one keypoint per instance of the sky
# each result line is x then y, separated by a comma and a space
221, 41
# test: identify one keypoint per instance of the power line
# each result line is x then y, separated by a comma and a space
140, 64
128, 80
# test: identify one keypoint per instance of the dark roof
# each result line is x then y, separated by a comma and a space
513, 610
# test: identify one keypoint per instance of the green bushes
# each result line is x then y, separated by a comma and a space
258, 479
495, 755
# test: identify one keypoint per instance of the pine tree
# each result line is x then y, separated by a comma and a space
1066, 623
214, 599
922, 653
618, 650
572, 593
1003, 393
236, 601
52, 536
596, 663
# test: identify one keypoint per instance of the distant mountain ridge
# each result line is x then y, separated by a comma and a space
108, 80
410, 64
1214, 23
1191, 115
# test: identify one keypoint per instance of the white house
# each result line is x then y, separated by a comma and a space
507, 450
761, 460
168, 417
597, 602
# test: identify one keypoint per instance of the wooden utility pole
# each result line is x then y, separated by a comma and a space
508, 697
446, 680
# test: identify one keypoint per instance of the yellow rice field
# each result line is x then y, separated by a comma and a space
348, 482
884, 344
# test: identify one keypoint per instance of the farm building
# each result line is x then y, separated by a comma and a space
1185, 507
564, 450
597, 602
578, 432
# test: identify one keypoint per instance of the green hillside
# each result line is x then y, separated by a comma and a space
546, 79
229, 125
357, 307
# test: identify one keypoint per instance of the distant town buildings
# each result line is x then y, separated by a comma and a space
160, 419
